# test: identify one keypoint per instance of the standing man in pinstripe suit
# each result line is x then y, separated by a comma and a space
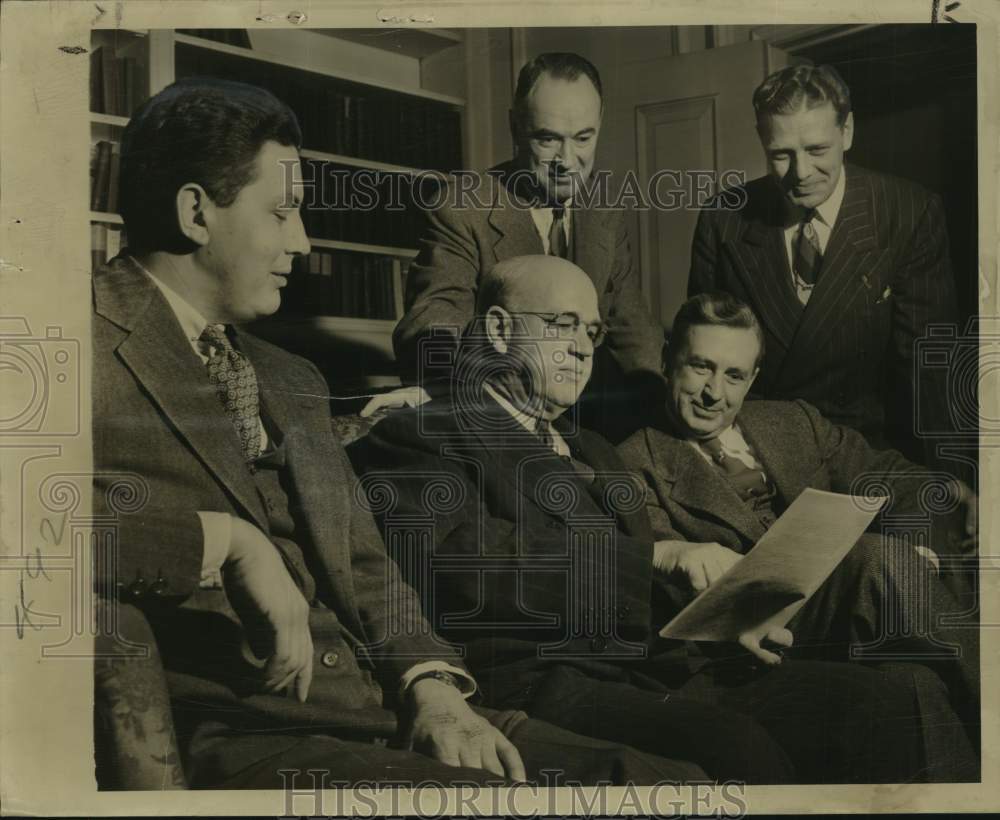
844, 267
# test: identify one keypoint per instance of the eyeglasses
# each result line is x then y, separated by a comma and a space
567, 325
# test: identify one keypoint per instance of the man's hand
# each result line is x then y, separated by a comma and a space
777, 638
968, 499
445, 728
274, 613
699, 564
393, 400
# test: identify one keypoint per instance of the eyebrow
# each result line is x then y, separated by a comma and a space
545, 132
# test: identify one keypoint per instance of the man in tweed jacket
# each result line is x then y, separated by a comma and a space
719, 471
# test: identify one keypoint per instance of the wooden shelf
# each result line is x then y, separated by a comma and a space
360, 247
101, 216
411, 42
108, 119
357, 162
335, 323
305, 65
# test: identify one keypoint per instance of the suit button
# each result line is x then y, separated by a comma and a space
158, 587
137, 588
623, 611
329, 659
598, 644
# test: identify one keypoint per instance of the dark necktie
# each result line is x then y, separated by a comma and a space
747, 481
544, 432
807, 257
236, 385
557, 233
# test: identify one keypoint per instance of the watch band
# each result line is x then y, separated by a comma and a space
437, 674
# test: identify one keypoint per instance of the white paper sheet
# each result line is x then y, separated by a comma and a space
768, 586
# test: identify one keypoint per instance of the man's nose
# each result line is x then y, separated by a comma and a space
566, 153
801, 166
712, 388
297, 243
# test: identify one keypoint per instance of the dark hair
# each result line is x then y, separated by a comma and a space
202, 130
787, 90
718, 309
558, 64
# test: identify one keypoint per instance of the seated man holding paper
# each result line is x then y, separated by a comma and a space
719, 473
530, 546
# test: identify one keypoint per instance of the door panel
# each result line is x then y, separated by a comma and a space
691, 112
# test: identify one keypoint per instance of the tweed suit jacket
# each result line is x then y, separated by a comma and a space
689, 499
505, 520
462, 243
159, 427
885, 277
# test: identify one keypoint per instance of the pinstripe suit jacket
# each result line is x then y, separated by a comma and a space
158, 426
885, 277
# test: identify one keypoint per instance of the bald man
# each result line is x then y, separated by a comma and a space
530, 547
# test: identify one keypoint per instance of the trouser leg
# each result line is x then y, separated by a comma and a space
838, 722
885, 603
726, 744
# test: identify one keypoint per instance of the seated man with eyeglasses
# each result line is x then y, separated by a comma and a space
530, 547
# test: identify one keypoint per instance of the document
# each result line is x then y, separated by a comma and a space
769, 585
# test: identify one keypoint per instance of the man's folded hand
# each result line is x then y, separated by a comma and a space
274, 613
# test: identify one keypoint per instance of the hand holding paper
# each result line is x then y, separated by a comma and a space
762, 592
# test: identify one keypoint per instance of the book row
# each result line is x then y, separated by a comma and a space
343, 117
342, 283
105, 169
117, 84
105, 242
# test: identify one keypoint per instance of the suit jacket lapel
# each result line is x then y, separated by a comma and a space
777, 455
592, 245
849, 253
156, 351
765, 271
514, 229
696, 485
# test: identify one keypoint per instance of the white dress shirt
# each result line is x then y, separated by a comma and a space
823, 222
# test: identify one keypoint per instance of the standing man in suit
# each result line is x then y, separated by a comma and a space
532, 205
844, 267
530, 545
718, 472
266, 586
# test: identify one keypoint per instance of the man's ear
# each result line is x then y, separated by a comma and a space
498, 328
848, 130
191, 202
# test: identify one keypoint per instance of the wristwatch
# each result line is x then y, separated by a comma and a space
437, 674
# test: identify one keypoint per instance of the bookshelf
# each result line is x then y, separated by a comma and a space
367, 106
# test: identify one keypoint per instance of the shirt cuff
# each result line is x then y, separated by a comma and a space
467, 684
217, 532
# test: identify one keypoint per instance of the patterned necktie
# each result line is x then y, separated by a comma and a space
808, 256
557, 234
236, 385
